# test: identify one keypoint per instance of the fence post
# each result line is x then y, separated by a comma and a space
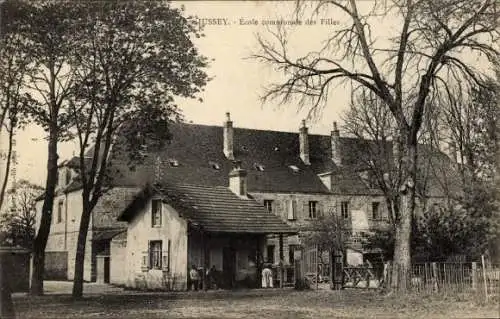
367, 277
474, 275
435, 275
484, 278
281, 275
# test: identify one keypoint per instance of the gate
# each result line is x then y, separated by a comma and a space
309, 265
360, 277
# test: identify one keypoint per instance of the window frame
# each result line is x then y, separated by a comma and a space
60, 206
154, 221
268, 205
313, 209
152, 253
344, 209
378, 215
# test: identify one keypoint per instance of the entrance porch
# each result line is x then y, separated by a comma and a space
238, 259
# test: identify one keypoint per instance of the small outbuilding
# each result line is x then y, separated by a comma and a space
16, 261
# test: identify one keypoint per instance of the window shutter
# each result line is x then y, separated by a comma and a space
292, 207
305, 209
166, 258
164, 262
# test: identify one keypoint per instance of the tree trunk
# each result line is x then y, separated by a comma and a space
402, 247
43, 232
80, 249
7, 167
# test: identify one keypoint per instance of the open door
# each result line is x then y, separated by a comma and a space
228, 266
106, 270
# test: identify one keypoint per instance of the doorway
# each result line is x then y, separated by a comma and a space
106, 270
228, 266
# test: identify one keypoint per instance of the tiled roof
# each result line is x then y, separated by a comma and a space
197, 148
214, 208
110, 205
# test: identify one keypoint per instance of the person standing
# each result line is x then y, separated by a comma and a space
195, 278
267, 277
211, 278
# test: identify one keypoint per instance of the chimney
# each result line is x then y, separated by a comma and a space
238, 180
304, 143
335, 137
228, 137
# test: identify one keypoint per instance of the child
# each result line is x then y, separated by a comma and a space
195, 277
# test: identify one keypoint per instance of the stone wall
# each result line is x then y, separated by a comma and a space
118, 260
64, 229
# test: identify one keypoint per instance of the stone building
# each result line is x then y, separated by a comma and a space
294, 176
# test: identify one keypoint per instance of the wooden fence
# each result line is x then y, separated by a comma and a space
479, 278
446, 277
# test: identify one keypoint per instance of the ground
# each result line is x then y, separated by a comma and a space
103, 301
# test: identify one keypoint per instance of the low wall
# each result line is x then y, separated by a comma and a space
56, 265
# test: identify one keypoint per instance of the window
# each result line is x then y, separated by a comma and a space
344, 208
375, 210
313, 209
258, 167
270, 254
214, 165
268, 204
156, 213
294, 168
173, 162
155, 254
292, 208
59, 211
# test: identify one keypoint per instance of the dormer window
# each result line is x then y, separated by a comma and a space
214, 165
294, 168
258, 167
268, 204
173, 162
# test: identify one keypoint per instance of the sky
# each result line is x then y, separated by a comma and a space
238, 81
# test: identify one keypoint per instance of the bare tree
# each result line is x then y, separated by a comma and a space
132, 59
425, 56
17, 219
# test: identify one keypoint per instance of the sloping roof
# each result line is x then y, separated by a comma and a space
197, 148
214, 208
106, 234
110, 205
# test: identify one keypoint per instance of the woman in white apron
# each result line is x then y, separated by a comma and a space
267, 277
